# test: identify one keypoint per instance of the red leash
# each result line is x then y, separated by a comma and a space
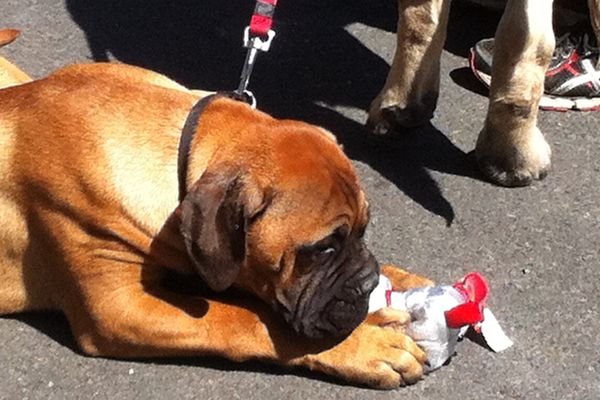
257, 36
262, 19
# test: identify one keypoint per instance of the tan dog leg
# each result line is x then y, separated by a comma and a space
410, 94
594, 7
511, 150
402, 280
125, 318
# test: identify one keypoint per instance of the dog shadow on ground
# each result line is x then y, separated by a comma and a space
314, 62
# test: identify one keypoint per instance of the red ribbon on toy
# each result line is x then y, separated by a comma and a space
475, 289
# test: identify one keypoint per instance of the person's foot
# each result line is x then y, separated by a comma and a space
572, 81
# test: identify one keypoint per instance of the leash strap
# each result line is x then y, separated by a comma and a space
262, 19
257, 36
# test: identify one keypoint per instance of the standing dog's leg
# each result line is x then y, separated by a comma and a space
411, 90
594, 7
511, 150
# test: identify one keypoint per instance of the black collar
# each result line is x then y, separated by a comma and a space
189, 130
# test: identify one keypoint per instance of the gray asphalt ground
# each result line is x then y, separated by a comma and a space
432, 212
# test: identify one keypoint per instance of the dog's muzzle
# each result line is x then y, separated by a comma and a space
335, 300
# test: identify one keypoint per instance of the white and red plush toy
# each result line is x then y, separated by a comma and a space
440, 315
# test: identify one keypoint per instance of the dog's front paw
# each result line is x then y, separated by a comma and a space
401, 280
390, 318
516, 159
388, 115
379, 357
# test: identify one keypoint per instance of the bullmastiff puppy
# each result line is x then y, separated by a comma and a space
101, 198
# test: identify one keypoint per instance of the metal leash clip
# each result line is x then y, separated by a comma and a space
253, 44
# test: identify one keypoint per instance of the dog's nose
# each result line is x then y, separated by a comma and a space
370, 283
372, 269
367, 278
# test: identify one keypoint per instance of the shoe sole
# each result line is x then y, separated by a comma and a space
547, 102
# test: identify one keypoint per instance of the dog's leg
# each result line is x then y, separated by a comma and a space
594, 8
410, 94
511, 150
402, 280
113, 314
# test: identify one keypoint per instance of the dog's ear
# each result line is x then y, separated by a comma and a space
8, 35
215, 215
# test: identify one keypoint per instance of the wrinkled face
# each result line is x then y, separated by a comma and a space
321, 286
307, 253
333, 279
287, 224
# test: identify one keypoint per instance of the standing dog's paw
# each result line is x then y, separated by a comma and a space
513, 160
386, 117
396, 119
376, 356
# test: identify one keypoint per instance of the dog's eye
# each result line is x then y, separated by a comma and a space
328, 246
323, 247
327, 251
320, 250
322, 255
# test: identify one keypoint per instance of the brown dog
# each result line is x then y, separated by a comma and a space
92, 222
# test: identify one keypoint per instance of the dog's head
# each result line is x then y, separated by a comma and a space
284, 217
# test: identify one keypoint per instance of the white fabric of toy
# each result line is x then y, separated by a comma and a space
440, 315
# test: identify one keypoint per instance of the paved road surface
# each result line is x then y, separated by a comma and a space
431, 211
